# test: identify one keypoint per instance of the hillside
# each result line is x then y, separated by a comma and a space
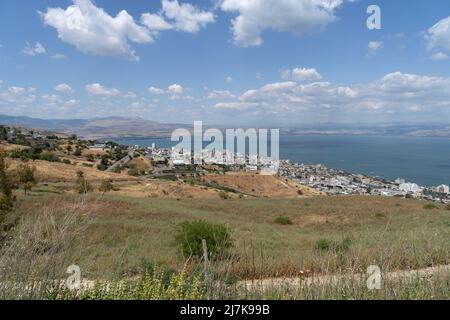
51, 172
97, 128
260, 185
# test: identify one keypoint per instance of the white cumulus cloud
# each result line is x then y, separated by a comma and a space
299, 17
35, 50
92, 30
438, 38
156, 91
301, 74
374, 47
176, 89
64, 88
220, 94
96, 89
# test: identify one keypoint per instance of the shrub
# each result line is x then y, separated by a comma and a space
6, 188
154, 285
66, 161
283, 220
106, 186
430, 206
80, 174
31, 153
48, 156
133, 172
223, 195
334, 246
26, 176
190, 235
82, 185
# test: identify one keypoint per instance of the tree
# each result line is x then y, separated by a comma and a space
82, 185
26, 177
104, 163
6, 189
3, 133
106, 186
77, 151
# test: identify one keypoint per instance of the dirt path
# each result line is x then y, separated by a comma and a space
264, 284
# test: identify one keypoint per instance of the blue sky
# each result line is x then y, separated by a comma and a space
261, 62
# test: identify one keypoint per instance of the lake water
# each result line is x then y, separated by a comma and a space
425, 161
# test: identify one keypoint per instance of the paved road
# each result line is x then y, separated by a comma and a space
121, 162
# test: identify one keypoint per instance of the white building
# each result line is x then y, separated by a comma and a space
180, 162
98, 147
443, 189
409, 187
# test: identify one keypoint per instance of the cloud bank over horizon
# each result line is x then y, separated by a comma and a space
391, 98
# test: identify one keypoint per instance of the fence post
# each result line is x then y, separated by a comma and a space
205, 260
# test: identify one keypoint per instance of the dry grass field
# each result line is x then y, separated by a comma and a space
260, 185
167, 190
141, 164
51, 172
4, 146
127, 233
280, 230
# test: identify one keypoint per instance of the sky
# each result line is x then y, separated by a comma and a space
243, 62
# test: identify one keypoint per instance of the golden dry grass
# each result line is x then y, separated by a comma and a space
8, 147
166, 190
47, 172
395, 234
141, 164
260, 185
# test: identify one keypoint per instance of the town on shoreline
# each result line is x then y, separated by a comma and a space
170, 163
316, 176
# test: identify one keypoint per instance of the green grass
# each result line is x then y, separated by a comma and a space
395, 234
283, 220
430, 206
327, 245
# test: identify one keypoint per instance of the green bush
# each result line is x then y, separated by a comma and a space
82, 185
155, 285
333, 246
7, 185
107, 186
31, 154
48, 156
430, 206
133, 172
190, 235
283, 220
26, 176
223, 195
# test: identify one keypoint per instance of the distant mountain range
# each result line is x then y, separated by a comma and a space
118, 127
97, 128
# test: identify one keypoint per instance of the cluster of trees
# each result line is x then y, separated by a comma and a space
82, 186
3, 133
24, 177
34, 153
